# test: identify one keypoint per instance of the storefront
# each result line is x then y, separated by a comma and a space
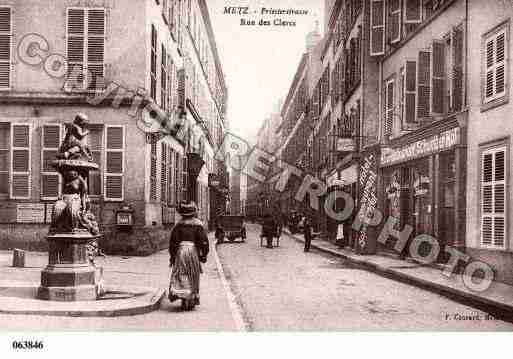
341, 180
424, 182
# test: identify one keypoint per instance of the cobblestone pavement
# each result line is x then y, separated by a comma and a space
286, 289
212, 315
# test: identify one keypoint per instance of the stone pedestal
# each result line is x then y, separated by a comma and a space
69, 275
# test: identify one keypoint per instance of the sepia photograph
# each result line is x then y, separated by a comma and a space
269, 166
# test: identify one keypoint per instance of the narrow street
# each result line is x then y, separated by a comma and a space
286, 289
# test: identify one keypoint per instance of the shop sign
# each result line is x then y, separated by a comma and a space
30, 213
369, 198
347, 177
345, 144
424, 147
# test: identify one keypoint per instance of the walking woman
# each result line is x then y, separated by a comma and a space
188, 247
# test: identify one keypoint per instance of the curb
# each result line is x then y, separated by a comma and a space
142, 304
497, 309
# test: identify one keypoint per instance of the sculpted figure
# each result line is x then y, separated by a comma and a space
67, 211
74, 145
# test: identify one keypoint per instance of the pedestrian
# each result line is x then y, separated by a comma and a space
188, 247
219, 233
269, 229
307, 230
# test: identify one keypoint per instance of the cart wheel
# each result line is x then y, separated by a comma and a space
231, 239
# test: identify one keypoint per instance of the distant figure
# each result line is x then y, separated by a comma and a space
188, 247
219, 233
269, 229
307, 230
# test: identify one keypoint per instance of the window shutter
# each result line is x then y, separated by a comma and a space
170, 176
423, 85
163, 172
95, 142
389, 107
5, 47
437, 77
412, 11
178, 177
76, 49
377, 33
50, 178
394, 21
96, 48
5, 163
495, 66
153, 64
114, 163
493, 207
457, 72
163, 78
410, 91
20, 155
181, 89
153, 170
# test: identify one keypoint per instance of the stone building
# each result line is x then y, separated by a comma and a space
133, 68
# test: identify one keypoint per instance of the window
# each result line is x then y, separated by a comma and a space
114, 163
493, 197
185, 182
496, 50
394, 21
389, 106
5, 47
171, 192
438, 77
377, 33
178, 178
153, 64
86, 49
410, 91
163, 79
413, 11
50, 178
20, 166
5, 152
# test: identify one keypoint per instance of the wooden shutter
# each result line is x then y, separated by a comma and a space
437, 77
153, 170
20, 161
171, 177
389, 106
5, 47
457, 71
394, 21
153, 64
163, 78
96, 48
495, 64
114, 162
76, 40
50, 178
412, 11
163, 172
86, 49
410, 91
5, 151
95, 142
377, 31
423, 85
181, 88
493, 198
178, 177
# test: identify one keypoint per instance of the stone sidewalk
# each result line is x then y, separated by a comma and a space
496, 300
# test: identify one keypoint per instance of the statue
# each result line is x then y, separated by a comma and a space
74, 145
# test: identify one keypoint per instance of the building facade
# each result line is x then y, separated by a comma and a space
73, 63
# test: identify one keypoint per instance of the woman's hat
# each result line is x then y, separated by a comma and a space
187, 209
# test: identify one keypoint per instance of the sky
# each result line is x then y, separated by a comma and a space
259, 62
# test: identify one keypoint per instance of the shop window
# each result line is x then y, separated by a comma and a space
493, 197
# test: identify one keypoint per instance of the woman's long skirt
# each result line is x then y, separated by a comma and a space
185, 275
